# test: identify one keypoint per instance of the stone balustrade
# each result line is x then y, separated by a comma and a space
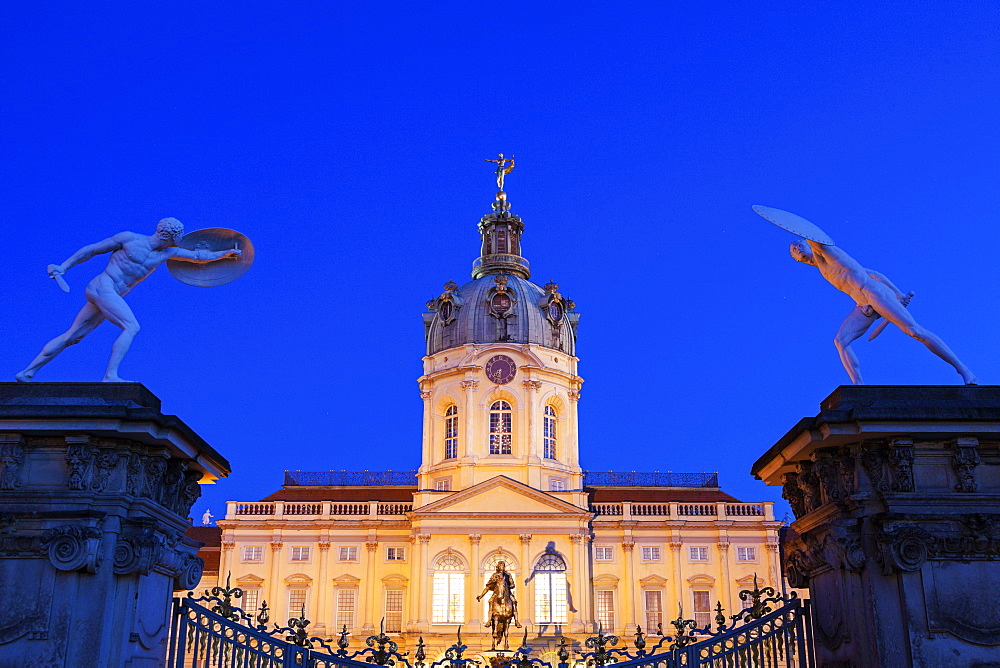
755, 512
316, 509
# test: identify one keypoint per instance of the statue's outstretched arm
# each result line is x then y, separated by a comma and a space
201, 255
106, 246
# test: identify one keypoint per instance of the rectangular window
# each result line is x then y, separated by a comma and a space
253, 553
349, 553
604, 553
606, 610
395, 554
699, 554
250, 599
557, 485
650, 554
443, 484
394, 611
300, 553
746, 554
654, 610
550, 598
449, 598
345, 609
296, 602
702, 608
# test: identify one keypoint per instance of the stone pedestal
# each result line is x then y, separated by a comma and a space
95, 488
896, 494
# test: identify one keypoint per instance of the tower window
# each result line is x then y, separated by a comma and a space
500, 428
451, 432
501, 241
549, 429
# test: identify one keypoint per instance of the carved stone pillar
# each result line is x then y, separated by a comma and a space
476, 575
894, 492
467, 445
628, 588
96, 487
531, 388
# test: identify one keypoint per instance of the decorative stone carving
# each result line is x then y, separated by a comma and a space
276, 546
11, 460
471, 384
190, 572
525, 538
873, 460
901, 457
426, 394
532, 384
72, 548
965, 460
574, 395
835, 473
134, 477
323, 546
80, 463
371, 545
156, 467
809, 486
790, 492
628, 546
474, 538
137, 550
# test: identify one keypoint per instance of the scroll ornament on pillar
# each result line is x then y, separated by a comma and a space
72, 548
11, 461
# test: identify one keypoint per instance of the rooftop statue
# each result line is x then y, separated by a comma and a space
503, 605
502, 168
875, 295
133, 258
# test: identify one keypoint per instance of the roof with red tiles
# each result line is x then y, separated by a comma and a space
210, 536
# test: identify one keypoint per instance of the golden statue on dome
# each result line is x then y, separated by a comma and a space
502, 168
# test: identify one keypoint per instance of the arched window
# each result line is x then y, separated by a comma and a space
451, 432
550, 589
549, 429
500, 428
449, 590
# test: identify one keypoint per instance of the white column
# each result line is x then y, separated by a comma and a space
534, 433
774, 568
525, 602
476, 576
628, 590
572, 446
412, 601
428, 446
676, 555
274, 587
467, 444
423, 578
226, 561
727, 584
322, 587
581, 578
369, 613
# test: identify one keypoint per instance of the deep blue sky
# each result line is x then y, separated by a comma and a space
347, 141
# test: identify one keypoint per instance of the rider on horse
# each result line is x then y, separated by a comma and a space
503, 605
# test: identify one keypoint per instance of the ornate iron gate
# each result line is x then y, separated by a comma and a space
770, 632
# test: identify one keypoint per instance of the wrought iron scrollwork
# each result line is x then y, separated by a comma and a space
601, 655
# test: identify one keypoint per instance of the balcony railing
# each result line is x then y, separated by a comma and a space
649, 479
755, 512
316, 510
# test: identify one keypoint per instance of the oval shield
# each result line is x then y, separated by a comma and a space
794, 224
219, 272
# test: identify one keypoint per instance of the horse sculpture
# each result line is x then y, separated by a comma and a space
503, 605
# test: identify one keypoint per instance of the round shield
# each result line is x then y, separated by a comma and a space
218, 272
794, 224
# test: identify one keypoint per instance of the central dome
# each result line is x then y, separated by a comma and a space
501, 308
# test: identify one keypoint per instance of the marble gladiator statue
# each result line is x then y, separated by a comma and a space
875, 296
503, 605
133, 258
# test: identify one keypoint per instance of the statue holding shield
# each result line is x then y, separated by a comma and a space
873, 293
133, 258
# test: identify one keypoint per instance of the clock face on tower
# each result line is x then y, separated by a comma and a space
500, 369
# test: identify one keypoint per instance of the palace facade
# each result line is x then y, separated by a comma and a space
500, 480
